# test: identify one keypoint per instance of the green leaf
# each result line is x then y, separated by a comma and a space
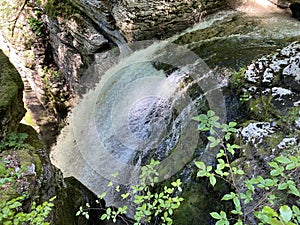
103, 217
239, 222
228, 196
277, 172
210, 113
215, 215
209, 168
202, 173
293, 190
201, 117
296, 210
282, 186
221, 153
200, 165
273, 164
240, 172
282, 159
214, 144
211, 138
124, 196
291, 166
110, 184
285, 213
212, 180
202, 127
269, 211
102, 195
108, 211
274, 221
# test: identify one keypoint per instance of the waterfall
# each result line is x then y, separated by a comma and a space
138, 104
137, 111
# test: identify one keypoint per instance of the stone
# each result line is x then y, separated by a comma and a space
275, 78
89, 39
144, 20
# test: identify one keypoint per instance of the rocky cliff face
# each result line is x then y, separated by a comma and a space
272, 127
139, 20
52, 43
40, 179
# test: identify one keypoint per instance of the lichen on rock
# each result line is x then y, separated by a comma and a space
274, 81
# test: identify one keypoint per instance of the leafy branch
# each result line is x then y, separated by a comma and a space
281, 178
148, 204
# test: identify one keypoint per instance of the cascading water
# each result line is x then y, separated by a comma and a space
135, 113
139, 105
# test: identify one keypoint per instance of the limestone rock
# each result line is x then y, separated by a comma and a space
87, 37
276, 79
139, 20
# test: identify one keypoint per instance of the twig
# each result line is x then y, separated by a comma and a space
17, 17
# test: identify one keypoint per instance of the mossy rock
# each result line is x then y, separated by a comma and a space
25, 163
11, 93
200, 198
26, 182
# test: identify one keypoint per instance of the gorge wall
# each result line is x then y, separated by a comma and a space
52, 43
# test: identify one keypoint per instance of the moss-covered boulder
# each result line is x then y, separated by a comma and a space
11, 93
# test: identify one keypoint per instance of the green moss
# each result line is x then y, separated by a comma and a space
200, 200
269, 143
237, 79
26, 158
56, 8
193, 210
263, 109
10, 83
33, 138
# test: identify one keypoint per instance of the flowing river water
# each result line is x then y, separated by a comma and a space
141, 107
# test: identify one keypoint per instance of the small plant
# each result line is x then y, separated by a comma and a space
36, 25
148, 204
238, 78
15, 141
56, 8
10, 212
283, 178
8, 174
245, 97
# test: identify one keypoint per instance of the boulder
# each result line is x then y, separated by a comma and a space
274, 81
11, 93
